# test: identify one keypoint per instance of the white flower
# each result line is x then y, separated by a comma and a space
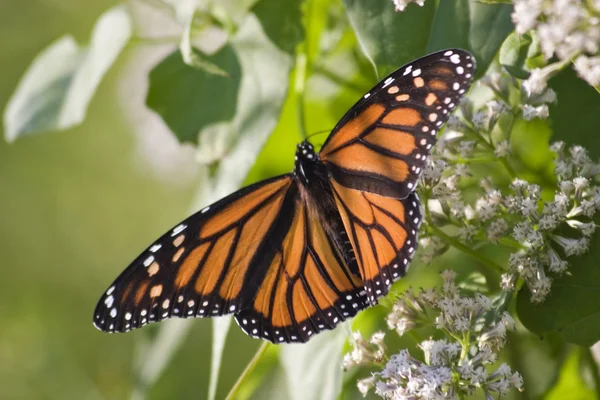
508, 321
536, 83
539, 288
466, 233
525, 15
496, 230
572, 246
365, 384
400, 5
579, 155
508, 282
587, 228
503, 149
555, 263
530, 112
589, 69
433, 171
522, 231
581, 183
548, 222
465, 148
566, 187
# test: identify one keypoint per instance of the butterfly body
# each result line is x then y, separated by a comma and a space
297, 254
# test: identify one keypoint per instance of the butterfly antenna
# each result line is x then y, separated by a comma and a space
318, 133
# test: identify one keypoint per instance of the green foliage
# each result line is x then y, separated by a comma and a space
481, 28
177, 91
573, 307
575, 116
514, 54
278, 70
56, 89
388, 39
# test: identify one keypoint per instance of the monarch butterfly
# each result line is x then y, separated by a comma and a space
299, 253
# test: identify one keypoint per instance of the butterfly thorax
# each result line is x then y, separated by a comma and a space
308, 167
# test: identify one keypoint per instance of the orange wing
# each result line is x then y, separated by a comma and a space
381, 145
383, 234
308, 286
201, 267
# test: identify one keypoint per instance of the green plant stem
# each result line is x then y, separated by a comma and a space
455, 243
259, 353
589, 358
299, 87
460, 246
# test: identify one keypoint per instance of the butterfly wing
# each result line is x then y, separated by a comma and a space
205, 266
376, 154
383, 234
381, 145
308, 287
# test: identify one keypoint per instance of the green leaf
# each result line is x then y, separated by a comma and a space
514, 54
468, 24
215, 111
573, 307
390, 39
575, 116
313, 370
571, 384
190, 100
282, 22
58, 86
191, 56
537, 359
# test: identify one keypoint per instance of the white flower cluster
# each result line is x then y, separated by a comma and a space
513, 216
451, 368
575, 203
567, 29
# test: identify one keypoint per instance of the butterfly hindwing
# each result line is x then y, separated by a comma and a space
382, 143
308, 287
201, 268
383, 234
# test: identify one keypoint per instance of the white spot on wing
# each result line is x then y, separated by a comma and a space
148, 261
178, 229
388, 81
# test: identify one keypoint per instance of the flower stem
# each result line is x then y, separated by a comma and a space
460, 246
299, 86
259, 353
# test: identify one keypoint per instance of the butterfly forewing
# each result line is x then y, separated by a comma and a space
201, 268
381, 145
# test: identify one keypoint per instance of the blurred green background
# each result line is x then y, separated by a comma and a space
75, 207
